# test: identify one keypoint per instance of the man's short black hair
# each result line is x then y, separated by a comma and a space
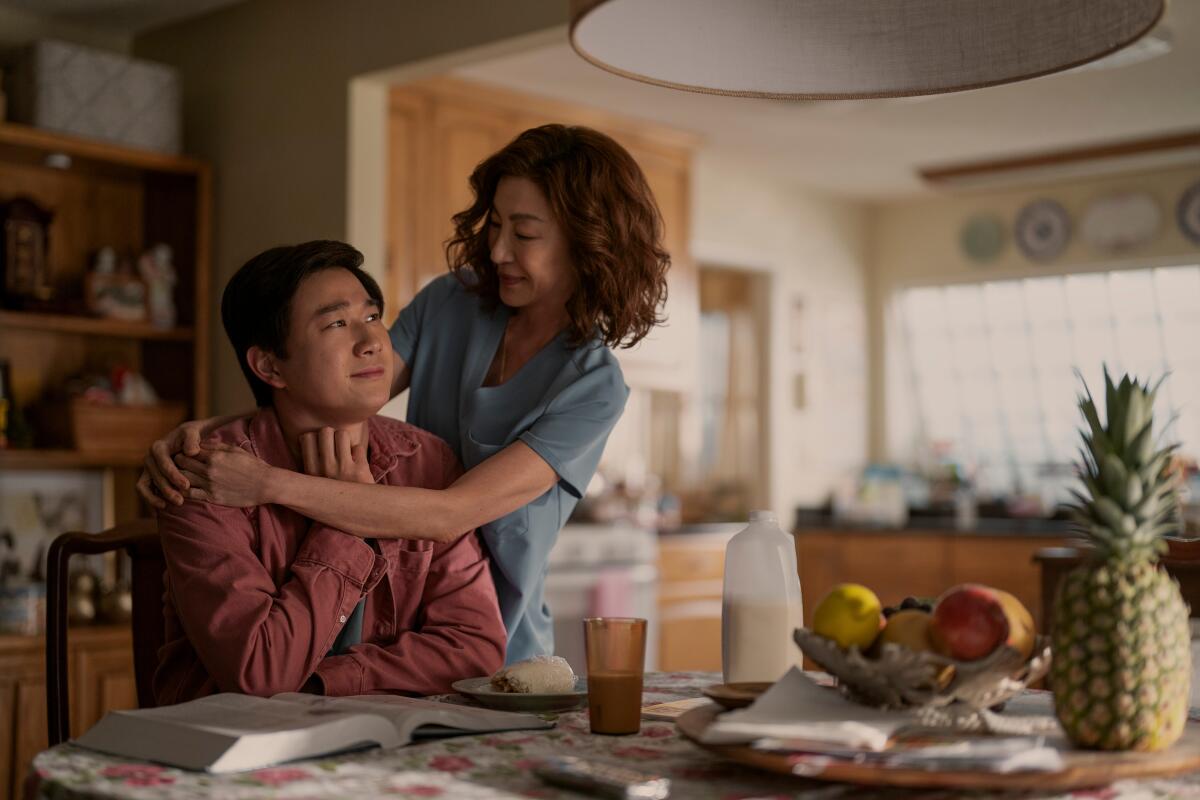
256, 305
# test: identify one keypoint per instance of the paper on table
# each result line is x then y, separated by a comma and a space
796, 714
797, 708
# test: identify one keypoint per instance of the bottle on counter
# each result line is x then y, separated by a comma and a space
761, 603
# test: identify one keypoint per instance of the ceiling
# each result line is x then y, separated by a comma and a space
872, 148
117, 17
856, 148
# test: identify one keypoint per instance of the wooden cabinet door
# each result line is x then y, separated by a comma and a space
22, 710
689, 635
100, 666
691, 572
435, 143
101, 681
440, 129
410, 178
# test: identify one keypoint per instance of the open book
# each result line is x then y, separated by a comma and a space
234, 732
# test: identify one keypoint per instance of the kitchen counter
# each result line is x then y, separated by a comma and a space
945, 526
922, 561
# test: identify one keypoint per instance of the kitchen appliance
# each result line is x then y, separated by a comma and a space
602, 570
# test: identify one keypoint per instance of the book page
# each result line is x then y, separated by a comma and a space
242, 715
410, 713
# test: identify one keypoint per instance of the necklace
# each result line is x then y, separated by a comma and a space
503, 353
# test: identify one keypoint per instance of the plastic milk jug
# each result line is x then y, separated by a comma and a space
761, 604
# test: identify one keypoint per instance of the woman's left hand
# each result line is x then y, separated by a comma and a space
227, 476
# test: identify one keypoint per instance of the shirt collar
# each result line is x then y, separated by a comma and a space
386, 445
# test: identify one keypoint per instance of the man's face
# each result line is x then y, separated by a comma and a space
339, 359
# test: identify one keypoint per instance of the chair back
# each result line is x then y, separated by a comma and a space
1181, 563
139, 539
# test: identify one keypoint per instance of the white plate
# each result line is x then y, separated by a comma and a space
480, 689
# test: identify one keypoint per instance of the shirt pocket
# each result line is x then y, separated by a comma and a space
477, 450
412, 557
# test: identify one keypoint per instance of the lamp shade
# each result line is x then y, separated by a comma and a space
840, 49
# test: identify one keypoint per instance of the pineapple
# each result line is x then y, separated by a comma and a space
1122, 659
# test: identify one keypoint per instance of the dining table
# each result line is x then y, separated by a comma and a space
497, 766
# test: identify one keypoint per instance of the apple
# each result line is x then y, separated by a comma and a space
969, 622
1022, 635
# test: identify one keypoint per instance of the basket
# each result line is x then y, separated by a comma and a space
103, 429
901, 678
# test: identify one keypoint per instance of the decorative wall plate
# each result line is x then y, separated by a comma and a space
1043, 229
1188, 212
982, 237
1119, 222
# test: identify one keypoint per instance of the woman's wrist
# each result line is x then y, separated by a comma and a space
277, 486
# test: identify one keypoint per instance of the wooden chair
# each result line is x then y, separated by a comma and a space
139, 539
1182, 562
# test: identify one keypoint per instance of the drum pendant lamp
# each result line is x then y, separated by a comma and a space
843, 49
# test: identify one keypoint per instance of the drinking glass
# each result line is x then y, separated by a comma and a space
616, 655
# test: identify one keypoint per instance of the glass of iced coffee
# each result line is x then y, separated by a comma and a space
616, 654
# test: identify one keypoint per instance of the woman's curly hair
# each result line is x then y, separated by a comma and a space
601, 199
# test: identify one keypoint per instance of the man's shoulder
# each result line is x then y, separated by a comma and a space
236, 432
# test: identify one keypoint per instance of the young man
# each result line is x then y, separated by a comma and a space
261, 600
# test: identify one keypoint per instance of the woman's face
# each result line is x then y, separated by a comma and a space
529, 248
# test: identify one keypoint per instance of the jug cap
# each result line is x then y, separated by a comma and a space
762, 516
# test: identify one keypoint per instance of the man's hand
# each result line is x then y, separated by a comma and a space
161, 482
227, 476
328, 454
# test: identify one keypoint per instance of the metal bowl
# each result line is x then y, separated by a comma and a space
899, 678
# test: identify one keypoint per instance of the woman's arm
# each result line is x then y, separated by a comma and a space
498, 486
162, 482
229, 476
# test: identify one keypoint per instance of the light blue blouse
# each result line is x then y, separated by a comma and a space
563, 403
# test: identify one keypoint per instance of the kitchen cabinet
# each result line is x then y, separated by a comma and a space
898, 563
440, 129
100, 666
691, 569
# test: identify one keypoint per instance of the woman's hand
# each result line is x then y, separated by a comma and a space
161, 482
227, 476
328, 454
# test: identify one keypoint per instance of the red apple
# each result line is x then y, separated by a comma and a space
969, 622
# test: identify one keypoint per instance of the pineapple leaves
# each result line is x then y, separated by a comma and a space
1128, 500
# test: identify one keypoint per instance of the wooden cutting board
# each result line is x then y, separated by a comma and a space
1083, 768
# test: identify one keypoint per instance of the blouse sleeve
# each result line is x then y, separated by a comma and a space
572, 433
419, 312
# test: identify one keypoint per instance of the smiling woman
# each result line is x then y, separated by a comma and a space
507, 358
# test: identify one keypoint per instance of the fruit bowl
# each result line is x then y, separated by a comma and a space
902, 678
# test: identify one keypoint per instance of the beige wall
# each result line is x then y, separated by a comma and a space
915, 242
266, 101
813, 249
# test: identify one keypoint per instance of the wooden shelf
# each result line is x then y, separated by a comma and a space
67, 459
69, 323
29, 138
105, 632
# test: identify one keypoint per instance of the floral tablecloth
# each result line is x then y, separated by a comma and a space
496, 767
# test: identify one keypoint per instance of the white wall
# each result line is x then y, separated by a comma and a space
813, 248
916, 242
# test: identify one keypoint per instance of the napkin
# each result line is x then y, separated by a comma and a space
797, 708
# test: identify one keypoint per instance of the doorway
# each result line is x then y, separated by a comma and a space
732, 469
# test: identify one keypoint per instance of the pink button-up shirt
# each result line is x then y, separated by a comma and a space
255, 597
